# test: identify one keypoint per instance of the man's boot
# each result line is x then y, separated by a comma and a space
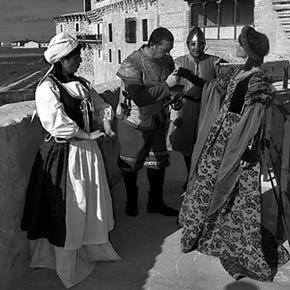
155, 201
130, 179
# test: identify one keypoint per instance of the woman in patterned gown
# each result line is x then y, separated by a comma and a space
221, 211
68, 208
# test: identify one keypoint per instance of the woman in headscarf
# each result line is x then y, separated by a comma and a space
221, 210
68, 208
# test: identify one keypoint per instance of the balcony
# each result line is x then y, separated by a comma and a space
90, 38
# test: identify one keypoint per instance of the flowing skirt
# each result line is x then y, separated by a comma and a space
235, 233
88, 214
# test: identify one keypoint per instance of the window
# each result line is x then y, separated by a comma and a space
110, 32
245, 12
227, 13
222, 19
197, 18
145, 29
110, 55
210, 14
130, 30
119, 56
77, 27
98, 29
87, 5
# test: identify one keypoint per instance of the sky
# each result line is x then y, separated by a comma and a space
32, 19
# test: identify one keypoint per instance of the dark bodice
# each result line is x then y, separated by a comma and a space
72, 106
238, 98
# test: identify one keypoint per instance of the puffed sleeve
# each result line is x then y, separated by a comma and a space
225, 71
51, 111
260, 90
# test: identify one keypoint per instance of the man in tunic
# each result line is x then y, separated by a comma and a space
183, 127
147, 76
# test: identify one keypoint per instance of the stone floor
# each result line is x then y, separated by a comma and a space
151, 256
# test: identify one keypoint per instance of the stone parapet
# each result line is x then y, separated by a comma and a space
19, 141
16, 96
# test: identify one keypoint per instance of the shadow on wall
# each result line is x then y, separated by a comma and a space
243, 285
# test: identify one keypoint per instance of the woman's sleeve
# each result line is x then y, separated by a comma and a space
260, 90
51, 112
224, 73
102, 110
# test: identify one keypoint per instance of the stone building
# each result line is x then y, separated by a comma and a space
112, 29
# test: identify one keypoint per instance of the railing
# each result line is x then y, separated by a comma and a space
90, 38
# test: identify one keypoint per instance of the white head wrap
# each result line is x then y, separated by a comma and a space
59, 46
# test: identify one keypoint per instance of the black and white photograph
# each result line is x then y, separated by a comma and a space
145, 145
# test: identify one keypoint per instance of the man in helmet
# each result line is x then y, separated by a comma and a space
183, 127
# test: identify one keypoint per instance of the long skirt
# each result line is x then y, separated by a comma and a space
68, 210
236, 233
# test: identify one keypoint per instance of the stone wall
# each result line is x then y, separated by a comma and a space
70, 27
16, 96
19, 141
86, 68
174, 15
105, 70
267, 21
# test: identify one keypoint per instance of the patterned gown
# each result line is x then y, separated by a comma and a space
234, 232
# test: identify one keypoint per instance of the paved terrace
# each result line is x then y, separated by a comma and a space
151, 256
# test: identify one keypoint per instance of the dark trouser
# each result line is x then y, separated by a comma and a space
144, 148
130, 180
155, 201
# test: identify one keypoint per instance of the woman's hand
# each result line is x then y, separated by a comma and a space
83, 135
110, 133
96, 135
172, 79
108, 130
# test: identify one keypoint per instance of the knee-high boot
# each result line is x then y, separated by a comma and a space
155, 201
130, 180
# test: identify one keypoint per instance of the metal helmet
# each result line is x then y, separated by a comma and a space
197, 35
